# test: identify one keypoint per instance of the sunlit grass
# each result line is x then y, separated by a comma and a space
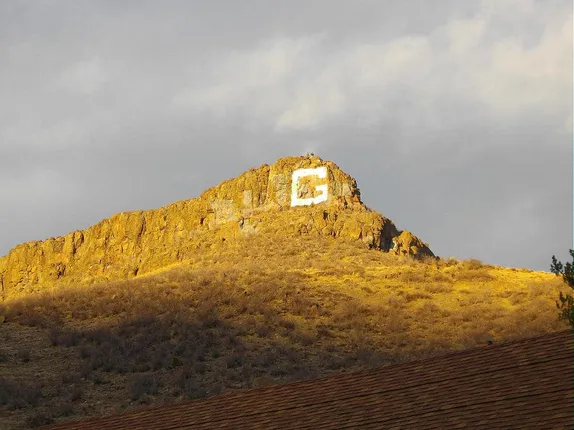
252, 312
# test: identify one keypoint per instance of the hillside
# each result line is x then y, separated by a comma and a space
250, 313
294, 196
273, 294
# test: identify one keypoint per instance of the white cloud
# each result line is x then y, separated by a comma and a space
84, 77
312, 103
465, 34
517, 79
248, 77
297, 84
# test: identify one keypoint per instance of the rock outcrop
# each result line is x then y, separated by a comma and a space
294, 196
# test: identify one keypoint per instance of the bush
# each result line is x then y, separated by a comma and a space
76, 394
19, 394
438, 288
472, 264
24, 354
416, 295
440, 277
64, 409
143, 384
64, 337
412, 276
190, 385
39, 419
449, 262
474, 275
234, 360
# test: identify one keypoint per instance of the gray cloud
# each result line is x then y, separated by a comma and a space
455, 117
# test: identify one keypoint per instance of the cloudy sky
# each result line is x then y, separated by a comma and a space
455, 117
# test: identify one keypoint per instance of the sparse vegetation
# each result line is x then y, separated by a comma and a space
39, 418
143, 384
252, 312
19, 394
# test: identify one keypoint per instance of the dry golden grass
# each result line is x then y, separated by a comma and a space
248, 313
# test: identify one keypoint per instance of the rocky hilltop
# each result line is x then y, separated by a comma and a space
294, 196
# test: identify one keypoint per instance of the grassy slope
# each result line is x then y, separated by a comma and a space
231, 318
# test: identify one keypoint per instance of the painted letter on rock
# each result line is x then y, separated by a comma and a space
321, 172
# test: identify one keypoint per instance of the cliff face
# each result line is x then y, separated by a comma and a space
296, 195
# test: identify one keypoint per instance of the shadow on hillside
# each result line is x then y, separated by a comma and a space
189, 334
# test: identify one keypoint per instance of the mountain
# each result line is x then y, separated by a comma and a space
281, 274
295, 196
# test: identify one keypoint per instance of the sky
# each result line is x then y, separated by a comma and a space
454, 117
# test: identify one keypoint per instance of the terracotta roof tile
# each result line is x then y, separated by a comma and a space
521, 384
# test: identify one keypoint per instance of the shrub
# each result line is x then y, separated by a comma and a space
474, 275
472, 264
262, 330
38, 419
19, 394
412, 276
395, 300
303, 338
428, 313
438, 288
517, 297
440, 277
234, 360
24, 354
70, 378
76, 393
416, 295
191, 387
143, 384
64, 337
447, 262
64, 409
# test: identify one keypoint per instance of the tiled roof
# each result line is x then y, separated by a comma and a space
526, 384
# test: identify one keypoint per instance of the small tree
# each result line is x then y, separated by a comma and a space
566, 305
